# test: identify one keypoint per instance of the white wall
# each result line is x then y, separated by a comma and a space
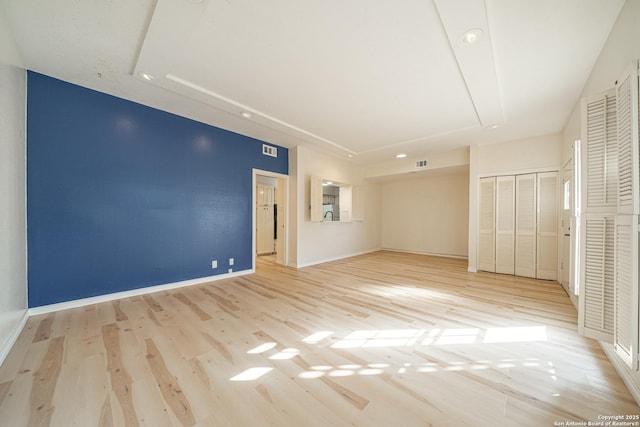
294, 208
622, 46
459, 157
13, 244
318, 242
428, 214
507, 158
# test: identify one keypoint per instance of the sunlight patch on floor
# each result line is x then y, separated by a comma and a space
381, 338
251, 374
437, 336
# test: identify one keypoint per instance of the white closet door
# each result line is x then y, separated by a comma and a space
626, 337
265, 195
628, 142
600, 149
505, 224
627, 301
547, 226
525, 225
486, 225
264, 230
596, 311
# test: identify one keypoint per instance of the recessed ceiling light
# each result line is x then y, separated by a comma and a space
245, 114
350, 155
471, 36
401, 156
147, 76
493, 126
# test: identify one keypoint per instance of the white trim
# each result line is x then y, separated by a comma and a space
285, 211
259, 114
623, 370
26, 222
13, 337
337, 258
131, 293
426, 253
519, 172
340, 257
472, 269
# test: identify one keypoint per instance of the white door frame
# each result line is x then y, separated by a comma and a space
565, 226
284, 210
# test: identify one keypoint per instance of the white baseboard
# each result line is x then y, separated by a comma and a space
8, 345
337, 258
426, 253
131, 293
629, 377
472, 269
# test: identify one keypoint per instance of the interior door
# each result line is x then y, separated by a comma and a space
565, 226
487, 225
505, 224
526, 207
547, 226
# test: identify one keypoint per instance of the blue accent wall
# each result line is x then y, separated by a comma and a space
123, 196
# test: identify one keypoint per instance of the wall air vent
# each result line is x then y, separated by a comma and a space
421, 164
269, 150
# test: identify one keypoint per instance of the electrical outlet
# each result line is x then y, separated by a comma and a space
231, 270
214, 264
230, 261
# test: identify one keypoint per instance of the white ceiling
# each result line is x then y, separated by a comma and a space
368, 78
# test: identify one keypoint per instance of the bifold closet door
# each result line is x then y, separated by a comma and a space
547, 226
627, 316
526, 206
505, 224
627, 294
487, 225
597, 277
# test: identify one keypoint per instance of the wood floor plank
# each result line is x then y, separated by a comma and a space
380, 339
4, 389
44, 328
169, 386
106, 416
121, 381
180, 296
45, 379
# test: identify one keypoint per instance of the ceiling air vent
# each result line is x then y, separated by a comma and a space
268, 150
421, 164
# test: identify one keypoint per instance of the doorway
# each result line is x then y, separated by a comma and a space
270, 218
565, 225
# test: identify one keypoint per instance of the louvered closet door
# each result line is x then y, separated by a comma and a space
505, 224
547, 226
626, 290
626, 338
628, 142
599, 204
525, 256
600, 153
486, 225
596, 313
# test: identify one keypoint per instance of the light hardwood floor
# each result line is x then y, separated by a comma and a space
384, 339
